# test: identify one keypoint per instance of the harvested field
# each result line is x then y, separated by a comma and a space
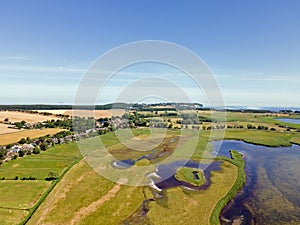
4, 129
14, 137
96, 113
88, 113
14, 116
53, 111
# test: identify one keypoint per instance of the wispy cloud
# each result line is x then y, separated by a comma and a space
15, 58
270, 78
45, 69
19, 58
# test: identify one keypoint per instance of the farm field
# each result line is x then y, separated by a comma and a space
53, 111
27, 195
12, 216
18, 197
54, 159
87, 113
4, 129
15, 116
14, 137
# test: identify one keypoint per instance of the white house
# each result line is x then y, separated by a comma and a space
27, 147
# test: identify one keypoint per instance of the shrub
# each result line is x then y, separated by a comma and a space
21, 153
36, 150
52, 176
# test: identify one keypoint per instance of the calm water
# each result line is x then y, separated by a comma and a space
289, 120
164, 172
271, 194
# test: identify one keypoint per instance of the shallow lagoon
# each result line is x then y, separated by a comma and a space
271, 194
167, 181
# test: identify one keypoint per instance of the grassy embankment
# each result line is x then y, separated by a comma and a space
238, 161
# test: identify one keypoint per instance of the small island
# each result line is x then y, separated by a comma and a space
192, 176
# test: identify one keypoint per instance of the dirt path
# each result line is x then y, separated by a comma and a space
83, 212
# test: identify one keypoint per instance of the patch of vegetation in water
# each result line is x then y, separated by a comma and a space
190, 175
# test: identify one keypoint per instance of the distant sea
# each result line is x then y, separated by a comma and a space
273, 109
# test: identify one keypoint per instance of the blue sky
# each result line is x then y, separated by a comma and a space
252, 47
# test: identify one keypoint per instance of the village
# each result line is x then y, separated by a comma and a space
73, 130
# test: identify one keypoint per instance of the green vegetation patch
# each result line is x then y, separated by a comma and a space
280, 123
295, 139
190, 175
266, 138
21, 194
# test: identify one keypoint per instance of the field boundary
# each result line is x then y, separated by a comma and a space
46, 193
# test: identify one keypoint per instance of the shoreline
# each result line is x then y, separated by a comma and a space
239, 162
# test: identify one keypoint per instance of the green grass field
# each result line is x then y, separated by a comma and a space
295, 139
54, 159
267, 138
186, 174
272, 120
21, 194
12, 216
18, 197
